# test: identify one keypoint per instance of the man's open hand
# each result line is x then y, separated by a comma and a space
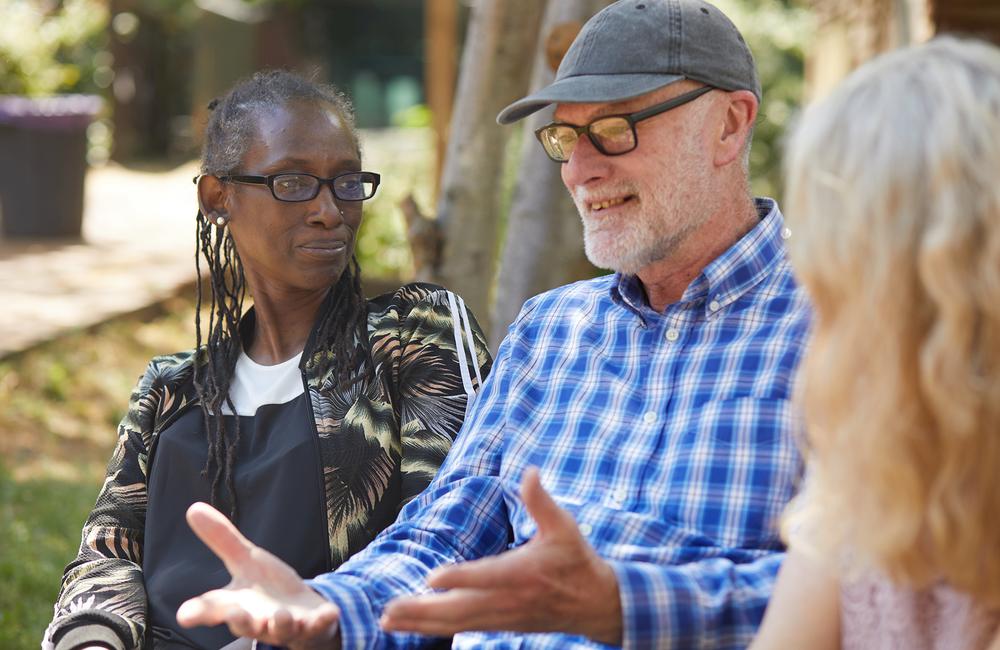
554, 583
265, 600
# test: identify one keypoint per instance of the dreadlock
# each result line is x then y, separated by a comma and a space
340, 339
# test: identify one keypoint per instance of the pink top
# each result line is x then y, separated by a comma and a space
875, 613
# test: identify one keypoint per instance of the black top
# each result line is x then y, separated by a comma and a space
380, 440
278, 478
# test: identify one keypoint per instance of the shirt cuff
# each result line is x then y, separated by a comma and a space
359, 626
87, 635
645, 604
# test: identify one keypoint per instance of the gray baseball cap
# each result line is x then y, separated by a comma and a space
637, 46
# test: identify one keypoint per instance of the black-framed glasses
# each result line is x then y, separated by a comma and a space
612, 135
295, 187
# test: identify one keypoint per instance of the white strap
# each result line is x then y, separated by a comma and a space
471, 341
460, 346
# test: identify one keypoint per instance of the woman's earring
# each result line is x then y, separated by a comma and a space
220, 221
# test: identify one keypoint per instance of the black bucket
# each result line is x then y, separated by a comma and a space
43, 161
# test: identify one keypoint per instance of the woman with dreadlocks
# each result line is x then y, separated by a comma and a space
310, 417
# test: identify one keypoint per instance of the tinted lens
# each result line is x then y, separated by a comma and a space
355, 187
295, 187
558, 140
614, 134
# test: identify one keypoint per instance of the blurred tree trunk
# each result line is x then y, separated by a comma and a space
150, 54
495, 70
849, 32
440, 27
543, 248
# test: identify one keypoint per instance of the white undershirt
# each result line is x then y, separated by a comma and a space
255, 385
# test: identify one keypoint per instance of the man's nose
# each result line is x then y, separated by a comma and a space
585, 165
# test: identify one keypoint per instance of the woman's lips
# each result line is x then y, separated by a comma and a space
324, 249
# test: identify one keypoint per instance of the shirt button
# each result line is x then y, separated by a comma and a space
586, 529
649, 417
620, 495
786, 233
673, 335
714, 306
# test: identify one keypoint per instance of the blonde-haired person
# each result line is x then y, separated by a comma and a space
894, 195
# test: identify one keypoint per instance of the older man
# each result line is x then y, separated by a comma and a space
651, 404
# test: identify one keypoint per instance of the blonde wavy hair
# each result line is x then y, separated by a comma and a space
894, 205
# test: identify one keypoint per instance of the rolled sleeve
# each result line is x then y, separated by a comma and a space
714, 603
358, 620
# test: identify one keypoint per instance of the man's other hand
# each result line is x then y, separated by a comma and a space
554, 583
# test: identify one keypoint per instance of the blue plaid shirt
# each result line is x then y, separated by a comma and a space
668, 436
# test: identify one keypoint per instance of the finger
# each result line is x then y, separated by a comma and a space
210, 608
458, 610
220, 535
421, 626
321, 623
501, 572
551, 519
243, 623
281, 626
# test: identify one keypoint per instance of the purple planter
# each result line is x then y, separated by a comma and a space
43, 160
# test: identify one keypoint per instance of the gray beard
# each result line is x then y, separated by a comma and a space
630, 262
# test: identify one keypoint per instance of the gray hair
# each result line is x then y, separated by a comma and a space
232, 125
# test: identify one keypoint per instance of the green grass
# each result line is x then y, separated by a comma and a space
60, 405
41, 532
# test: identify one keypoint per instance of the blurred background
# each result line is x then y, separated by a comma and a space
102, 103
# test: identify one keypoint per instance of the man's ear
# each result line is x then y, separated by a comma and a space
737, 122
212, 197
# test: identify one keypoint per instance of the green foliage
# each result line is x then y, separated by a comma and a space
48, 47
57, 382
416, 116
40, 534
405, 158
778, 32
59, 46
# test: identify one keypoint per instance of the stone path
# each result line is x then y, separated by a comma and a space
137, 249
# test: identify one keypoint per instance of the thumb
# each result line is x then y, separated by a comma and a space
220, 535
551, 519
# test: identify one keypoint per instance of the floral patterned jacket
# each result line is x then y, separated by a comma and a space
380, 441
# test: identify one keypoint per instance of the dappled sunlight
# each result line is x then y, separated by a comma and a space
62, 400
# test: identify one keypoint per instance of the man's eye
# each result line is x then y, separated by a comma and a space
613, 128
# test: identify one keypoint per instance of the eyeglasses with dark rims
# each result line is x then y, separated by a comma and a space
612, 135
295, 187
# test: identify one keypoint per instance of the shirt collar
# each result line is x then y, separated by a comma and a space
728, 276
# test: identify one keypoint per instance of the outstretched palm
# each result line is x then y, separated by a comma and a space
265, 599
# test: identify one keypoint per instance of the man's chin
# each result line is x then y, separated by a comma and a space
615, 261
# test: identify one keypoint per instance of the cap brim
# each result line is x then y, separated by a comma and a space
586, 89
